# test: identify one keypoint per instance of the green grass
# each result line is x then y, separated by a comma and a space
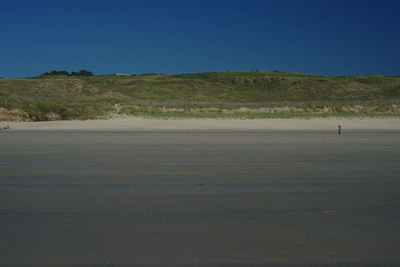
254, 86
89, 97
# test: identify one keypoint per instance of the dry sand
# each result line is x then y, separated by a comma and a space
135, 123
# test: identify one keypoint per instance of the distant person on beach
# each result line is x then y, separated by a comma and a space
339, 129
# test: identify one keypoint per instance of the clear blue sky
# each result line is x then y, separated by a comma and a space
312, 36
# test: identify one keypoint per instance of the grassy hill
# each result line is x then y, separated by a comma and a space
219, 94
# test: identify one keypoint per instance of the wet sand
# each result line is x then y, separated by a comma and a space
199, 198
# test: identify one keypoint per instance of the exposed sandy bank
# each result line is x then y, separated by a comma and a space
134, 123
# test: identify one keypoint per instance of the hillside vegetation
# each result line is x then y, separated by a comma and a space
258, 93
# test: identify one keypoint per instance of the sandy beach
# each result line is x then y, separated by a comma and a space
200, 192
136, 123
199, 198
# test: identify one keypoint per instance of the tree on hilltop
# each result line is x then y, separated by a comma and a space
66, 73
82, 73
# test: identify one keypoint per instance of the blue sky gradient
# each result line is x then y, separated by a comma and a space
320, 37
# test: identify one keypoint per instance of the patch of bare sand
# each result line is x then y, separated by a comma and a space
135, 123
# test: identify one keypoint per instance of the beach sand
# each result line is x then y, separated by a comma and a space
136, 123
199, 198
